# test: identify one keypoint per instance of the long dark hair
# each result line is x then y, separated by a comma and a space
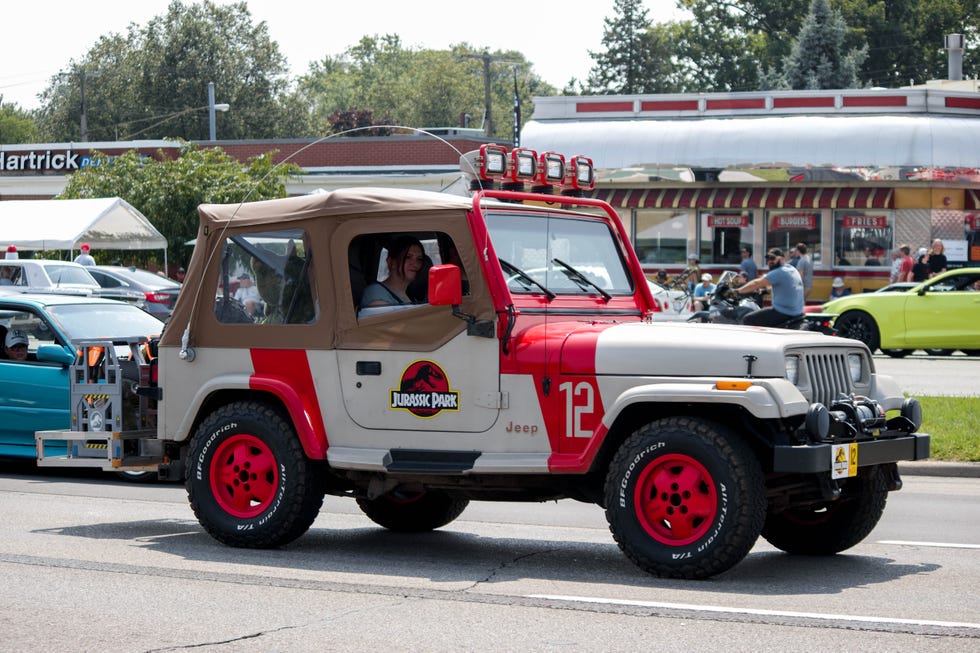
398, 251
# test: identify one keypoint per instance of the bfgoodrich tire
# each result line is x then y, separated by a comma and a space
829, 528
685, 498
414, 512
248, 480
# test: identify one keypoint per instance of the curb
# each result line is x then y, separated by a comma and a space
938, 468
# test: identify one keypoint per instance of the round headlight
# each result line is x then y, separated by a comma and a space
793, 369
854, 365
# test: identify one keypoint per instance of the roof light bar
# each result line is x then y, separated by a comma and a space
484, 166
544, 172
523, 165
581, 173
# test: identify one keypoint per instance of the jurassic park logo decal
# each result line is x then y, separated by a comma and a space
424, 391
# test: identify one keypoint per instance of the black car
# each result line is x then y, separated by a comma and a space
159, 292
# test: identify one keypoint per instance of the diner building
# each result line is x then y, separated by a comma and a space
852, 174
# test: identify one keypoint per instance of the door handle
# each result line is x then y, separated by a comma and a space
368, 368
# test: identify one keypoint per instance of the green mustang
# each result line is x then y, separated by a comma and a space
939, 315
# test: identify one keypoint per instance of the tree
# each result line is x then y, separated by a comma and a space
631, 54
818, 59
16, 126
729, 42
416, 88
168, 190
152, 82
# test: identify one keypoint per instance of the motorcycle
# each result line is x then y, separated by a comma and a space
728, 307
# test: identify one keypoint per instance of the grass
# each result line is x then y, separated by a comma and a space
954, 426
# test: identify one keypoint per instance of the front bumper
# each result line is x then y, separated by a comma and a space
819, 458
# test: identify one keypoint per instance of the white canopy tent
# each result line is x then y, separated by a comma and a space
103, 223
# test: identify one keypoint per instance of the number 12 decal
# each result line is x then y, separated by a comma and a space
579, 402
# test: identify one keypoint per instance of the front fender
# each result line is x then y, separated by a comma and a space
769, 398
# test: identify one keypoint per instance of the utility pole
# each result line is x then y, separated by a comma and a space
487, 59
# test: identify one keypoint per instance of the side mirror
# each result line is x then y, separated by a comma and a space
55, 354
445, 285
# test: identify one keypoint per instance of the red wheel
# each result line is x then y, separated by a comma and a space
685, 498
675, 499
249, 482
244, 476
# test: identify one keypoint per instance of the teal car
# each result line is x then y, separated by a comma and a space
34, 392
939, 315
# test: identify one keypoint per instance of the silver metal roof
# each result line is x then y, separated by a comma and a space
877, 141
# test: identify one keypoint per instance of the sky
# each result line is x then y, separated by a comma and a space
39, 40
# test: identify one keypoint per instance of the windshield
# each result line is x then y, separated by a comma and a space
64, 274
554, 249
151, 280
87, 321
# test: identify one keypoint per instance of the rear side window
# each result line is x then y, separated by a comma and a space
266, 278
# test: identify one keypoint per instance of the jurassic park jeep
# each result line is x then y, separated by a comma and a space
529, 366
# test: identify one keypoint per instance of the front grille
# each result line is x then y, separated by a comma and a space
826, 376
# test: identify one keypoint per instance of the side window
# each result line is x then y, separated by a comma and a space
390, 271
21, 333
266, 278
10, 275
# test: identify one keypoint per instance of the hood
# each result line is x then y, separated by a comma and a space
685, 349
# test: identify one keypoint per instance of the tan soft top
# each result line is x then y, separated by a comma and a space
342, 202
321, 216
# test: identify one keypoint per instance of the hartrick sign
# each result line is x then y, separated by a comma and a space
35, 161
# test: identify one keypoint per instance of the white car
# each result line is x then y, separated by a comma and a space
675, 305
57, 277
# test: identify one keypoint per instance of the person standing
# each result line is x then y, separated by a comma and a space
84, 258
787, 292
896, 272
805, 266
905, 264
937, 258
747, 265
920, 270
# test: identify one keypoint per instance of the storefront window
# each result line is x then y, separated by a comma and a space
661, 236
784, 229
723, 234
863, 237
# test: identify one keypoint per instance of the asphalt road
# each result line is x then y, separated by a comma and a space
942, 376
91, 564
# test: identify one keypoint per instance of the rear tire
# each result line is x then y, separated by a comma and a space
249, 482
685, 498
940, 352
830, 528
414, 512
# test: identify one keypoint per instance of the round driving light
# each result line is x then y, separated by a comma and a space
854, 365
817, 421
912, 410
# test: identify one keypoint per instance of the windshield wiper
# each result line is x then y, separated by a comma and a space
525, 278
583, 281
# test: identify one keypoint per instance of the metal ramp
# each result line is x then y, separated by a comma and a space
113, 416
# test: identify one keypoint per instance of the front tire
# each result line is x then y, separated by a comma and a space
249, 482
685, 498
414, 512
830, 528
858, 325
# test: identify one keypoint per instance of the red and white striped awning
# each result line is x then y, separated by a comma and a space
741, 197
